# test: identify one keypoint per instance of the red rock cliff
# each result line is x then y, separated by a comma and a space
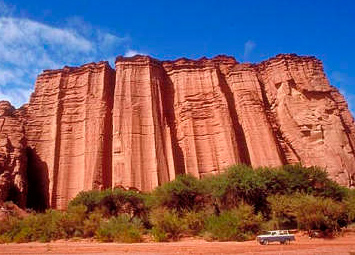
13, 181
139, 126
68, 130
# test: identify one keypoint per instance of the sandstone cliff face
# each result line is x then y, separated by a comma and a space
139, 126
207, 129
68, 130
13, 181
139, 155
314, 124
200, 116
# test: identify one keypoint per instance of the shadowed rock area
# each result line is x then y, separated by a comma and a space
140, 125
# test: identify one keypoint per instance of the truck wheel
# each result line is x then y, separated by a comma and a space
282, 241
265, 242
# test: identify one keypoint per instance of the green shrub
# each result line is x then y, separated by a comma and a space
8, 224
283, 214
166, 225
308, 211
120, 229
239, 224
349, 202
9, 227
91, 199
92, 224
42, 227
291, 179
5, 239
72, 221
315, 213
247, 186
194, 222
184, 193
227, 206
159, 235
239, 184
113, 203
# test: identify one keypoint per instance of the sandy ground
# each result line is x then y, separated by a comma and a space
302, 245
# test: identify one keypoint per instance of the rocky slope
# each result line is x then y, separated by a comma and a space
143, 123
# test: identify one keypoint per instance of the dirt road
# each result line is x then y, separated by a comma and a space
302, 245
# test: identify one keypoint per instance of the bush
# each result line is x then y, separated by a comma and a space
8, 224
314, 213
349, 202
227, 206
92, 224
283, 214
91, 199
9, 227
184, 193
239, 224
113, 203
246, 186
72, 221
308, 211
291, 179
239, 184
194, 222
166, 225
42, 227
120, 229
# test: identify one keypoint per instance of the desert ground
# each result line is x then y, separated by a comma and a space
303, 245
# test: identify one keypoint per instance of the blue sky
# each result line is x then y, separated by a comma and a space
37, 35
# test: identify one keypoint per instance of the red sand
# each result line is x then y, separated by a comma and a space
302, 245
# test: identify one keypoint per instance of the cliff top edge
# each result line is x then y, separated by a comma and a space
203, 61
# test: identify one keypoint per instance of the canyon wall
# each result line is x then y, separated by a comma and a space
68, 129
13, 160
147, 121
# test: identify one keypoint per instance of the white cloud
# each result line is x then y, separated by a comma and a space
16, 96
16, 29
131, 53
107, 40
249, 46
27, 47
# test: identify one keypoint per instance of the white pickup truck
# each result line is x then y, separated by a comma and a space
282, 236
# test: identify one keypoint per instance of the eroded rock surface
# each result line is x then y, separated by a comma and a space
68, 130
310, 116
13, 181
139, 126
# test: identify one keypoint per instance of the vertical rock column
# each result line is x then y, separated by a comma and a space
41, 125
203, 122
260, 139
139, 158
84, 131
69, 130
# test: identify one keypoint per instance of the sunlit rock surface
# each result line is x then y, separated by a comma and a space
143, 123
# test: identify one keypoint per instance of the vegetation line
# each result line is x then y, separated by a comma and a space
235, 205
